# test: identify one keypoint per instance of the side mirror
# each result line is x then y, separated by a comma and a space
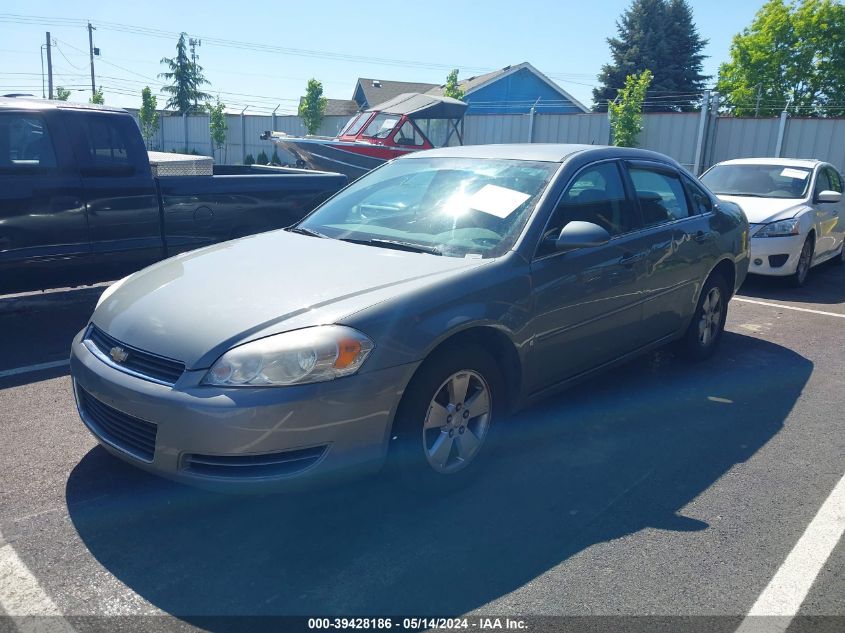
829, 196
579, 234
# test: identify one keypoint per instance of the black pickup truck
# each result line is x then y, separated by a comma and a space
79, 201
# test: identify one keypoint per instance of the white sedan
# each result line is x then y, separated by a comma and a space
795, 209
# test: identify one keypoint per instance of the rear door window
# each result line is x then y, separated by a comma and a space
109, 149
660, 194
25, 143
699, 199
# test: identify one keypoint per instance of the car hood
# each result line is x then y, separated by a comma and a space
195, 306
763, 210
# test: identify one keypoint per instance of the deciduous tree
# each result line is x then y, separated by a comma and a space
452, 89
217, 125
148, 115
626, 111
791, 53
312, 107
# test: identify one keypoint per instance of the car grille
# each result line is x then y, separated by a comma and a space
131, 434
139, 362
246, 466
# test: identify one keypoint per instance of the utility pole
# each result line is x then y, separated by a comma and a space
193, 43
91, 56
49, 67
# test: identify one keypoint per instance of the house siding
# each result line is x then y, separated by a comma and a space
515, 93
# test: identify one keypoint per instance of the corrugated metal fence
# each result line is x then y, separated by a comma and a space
693, 139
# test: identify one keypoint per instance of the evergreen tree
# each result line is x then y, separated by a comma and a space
656, 35
185, 92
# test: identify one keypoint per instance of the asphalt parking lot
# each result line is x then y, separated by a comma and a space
660, 489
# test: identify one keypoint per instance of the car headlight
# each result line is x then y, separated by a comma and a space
314, 354
110, 290
781, 228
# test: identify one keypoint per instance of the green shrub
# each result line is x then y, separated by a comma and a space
275, 160
249, 160
262, 158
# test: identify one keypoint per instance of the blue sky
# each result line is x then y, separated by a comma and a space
416, 42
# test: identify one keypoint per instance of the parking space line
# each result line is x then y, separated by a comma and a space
5, 373
783, 596
22, 597
780, 305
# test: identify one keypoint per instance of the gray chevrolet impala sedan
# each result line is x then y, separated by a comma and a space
406, 317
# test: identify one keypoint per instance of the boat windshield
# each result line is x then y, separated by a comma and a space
458, 207
355, 124
381, 126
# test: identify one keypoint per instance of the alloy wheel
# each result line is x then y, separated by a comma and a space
711, 317
457, 422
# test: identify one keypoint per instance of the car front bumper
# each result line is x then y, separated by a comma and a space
768, 252
238, 439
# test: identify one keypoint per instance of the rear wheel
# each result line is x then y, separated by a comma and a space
444, 423
708, 322
805, 260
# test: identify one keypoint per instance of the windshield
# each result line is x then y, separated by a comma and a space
462, 207
355, 124
761, 181
381, 126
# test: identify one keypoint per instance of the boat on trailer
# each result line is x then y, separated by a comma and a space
409, 122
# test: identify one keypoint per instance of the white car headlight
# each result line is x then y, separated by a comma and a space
314, 354
781, 228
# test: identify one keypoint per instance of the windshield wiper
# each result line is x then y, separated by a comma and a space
303, 231
395, 244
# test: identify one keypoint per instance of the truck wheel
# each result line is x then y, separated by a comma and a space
442, 432
708, 323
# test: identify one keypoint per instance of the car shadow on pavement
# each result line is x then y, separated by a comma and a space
825, 285
625, 451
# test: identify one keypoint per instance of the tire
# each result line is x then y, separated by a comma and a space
840, 259
805, 262
429, 446
708, 322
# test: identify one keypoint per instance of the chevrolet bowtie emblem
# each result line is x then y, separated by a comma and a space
118, 354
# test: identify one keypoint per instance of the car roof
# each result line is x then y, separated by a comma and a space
32, 103
543, 152
807, 163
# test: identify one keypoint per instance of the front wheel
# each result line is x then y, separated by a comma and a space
805, 261
444, 423
708, 322
840, 259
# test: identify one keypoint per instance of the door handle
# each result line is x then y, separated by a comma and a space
701, 237
629, 259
